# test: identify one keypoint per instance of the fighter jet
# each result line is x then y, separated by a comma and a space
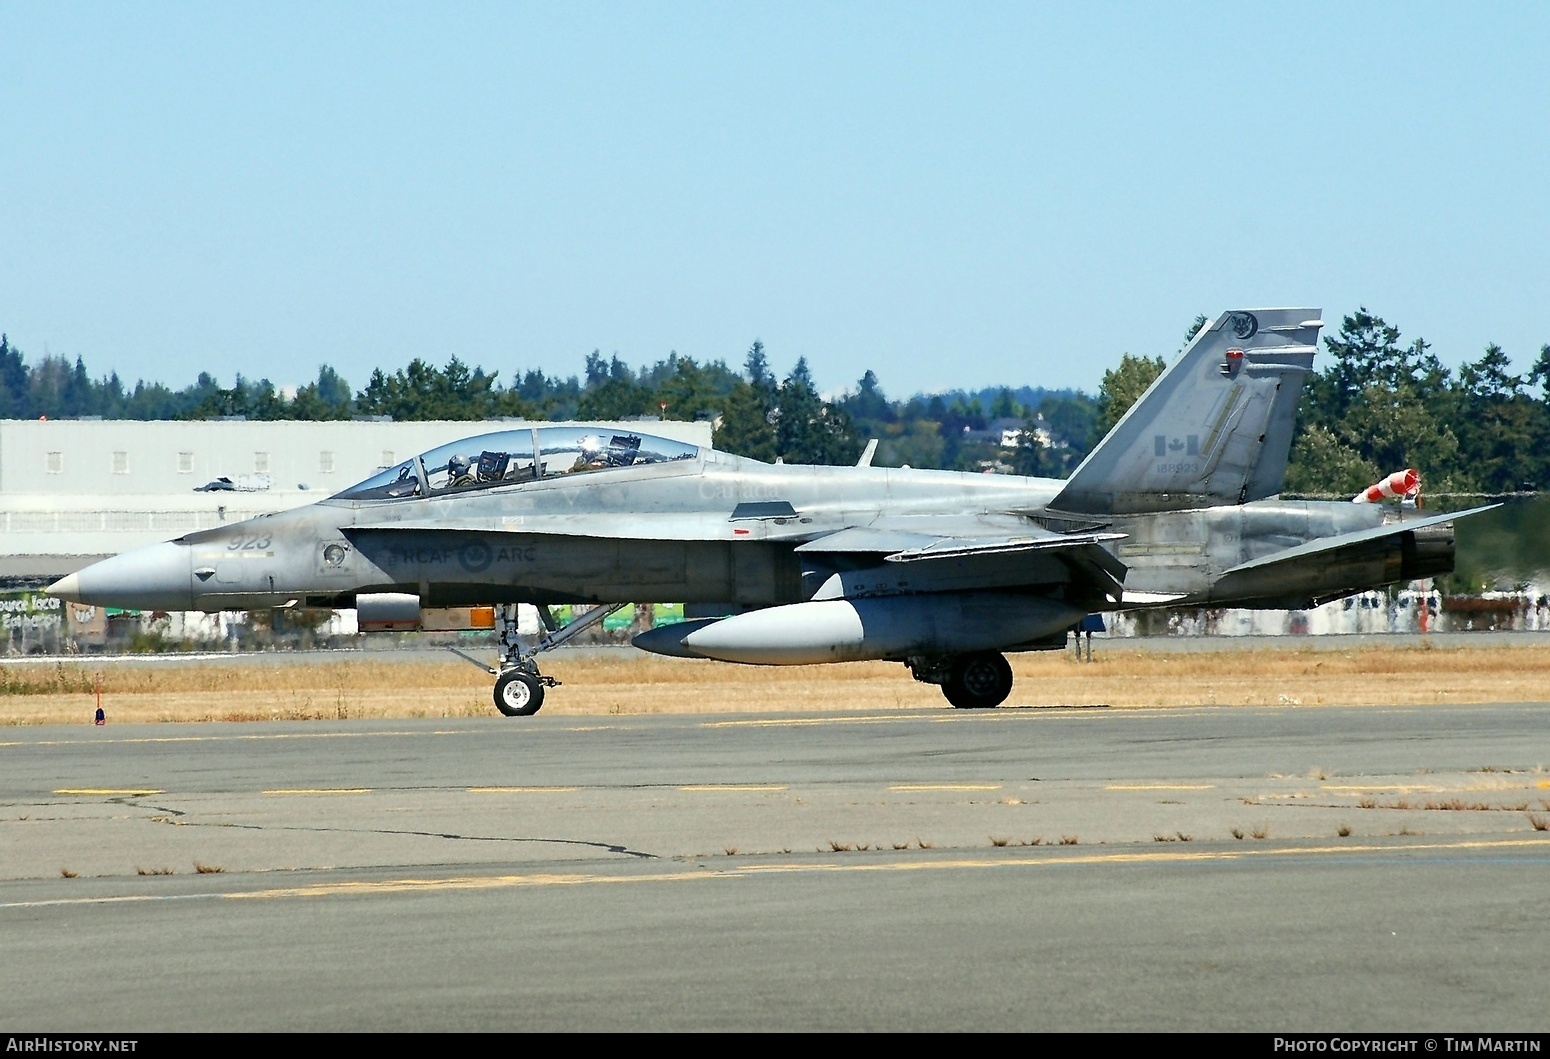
942, 571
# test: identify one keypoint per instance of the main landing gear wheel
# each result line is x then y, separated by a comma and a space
518, 693
979, 681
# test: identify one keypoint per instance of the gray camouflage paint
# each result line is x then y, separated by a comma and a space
1169, 506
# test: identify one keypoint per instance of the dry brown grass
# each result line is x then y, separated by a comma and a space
633, 683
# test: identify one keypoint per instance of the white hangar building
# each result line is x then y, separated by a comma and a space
75, 491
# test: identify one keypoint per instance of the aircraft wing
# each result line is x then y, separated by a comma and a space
955, 561
969, 547
868, 540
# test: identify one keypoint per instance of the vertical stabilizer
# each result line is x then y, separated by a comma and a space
1214, 428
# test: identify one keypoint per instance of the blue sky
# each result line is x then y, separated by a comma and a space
951, 195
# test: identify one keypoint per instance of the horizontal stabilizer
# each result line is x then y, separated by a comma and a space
1331, 567
1324, 545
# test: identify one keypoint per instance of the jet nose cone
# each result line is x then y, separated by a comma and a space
153, 578
67, 587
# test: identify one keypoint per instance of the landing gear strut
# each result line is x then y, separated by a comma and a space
519, 686
970, 682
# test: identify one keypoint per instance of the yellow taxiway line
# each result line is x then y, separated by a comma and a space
733, 787
131, 792
945, 787
320, 790
1402, 788
1160, 787
492, 882
263, 737
693, 873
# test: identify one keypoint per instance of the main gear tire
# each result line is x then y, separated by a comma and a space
979, 681
519, 693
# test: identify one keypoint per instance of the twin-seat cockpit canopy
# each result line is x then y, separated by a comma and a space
513, 456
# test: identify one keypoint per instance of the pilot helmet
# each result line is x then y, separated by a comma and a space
458, 465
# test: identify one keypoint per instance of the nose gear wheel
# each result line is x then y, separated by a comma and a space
519, 693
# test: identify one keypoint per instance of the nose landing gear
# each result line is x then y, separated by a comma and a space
519, 686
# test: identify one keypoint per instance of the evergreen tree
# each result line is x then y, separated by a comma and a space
746, 427
688, 393
1497, 427
615, 398
868, 404
808, 429
1073, 420
597, 371
756, 368
329, 397
13, 381
1384, 407
1321, 463
1031, 458
1005, 405
422, 391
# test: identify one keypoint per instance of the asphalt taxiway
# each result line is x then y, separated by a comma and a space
1316, 868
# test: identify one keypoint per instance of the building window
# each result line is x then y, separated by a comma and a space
325, 462
54, 463
185, 463
260, 463
121, 463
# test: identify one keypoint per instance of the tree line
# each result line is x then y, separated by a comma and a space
757, 413
1376, 404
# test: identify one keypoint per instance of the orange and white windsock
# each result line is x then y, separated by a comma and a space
1403, 483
